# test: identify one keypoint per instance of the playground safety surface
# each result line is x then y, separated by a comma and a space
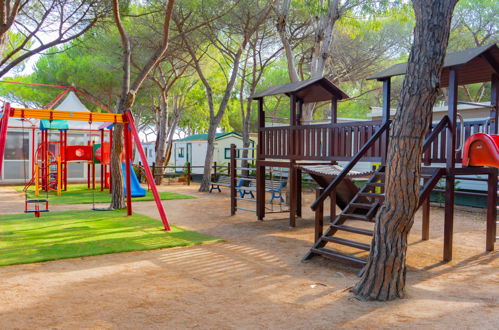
253, 280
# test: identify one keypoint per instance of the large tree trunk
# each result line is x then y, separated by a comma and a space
205, 182
282, 12
162, 134
128, 94
385, 273
118, 195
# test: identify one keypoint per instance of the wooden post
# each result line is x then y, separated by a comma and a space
491, 209
188, 173
233, 193
385, 117
425, 230
494, 101
451, 162
298, 192
319, 216
293, 193
214, 171
128, 155
334, 110
260, 170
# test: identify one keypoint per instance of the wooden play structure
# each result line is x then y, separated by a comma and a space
317, 149
48, 178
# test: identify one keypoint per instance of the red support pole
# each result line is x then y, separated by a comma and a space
111, 134
65, 167
149, 175
128, 154
102, 174
88, 167
33, 150
4, 122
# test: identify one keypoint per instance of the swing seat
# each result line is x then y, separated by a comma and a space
37, 201
36, 210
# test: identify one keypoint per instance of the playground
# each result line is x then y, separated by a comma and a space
341, 204
254, 279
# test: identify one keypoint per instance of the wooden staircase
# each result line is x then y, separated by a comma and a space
362, 223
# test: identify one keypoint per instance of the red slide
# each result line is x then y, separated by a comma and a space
481, 150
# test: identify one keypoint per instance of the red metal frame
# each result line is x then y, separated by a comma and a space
4, 122
149, 176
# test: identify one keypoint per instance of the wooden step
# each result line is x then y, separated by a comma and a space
355, 216
373, 195
334, 255
342, 241
365, 206
356, 230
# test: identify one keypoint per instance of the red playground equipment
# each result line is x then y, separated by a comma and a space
481, 150
49, 172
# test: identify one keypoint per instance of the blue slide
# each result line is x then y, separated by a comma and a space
137, 190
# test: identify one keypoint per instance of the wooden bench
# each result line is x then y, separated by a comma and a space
224, 181
272, 186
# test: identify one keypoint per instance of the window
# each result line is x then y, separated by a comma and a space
17, 146
227, 153
181, 152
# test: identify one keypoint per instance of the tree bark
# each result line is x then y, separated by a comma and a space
282, 12
384, 275
128, 93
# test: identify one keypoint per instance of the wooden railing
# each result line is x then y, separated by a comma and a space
436, 143
320, 142
375, 138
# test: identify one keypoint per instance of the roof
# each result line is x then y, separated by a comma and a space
70, 103
204, 136
475, 61
311, 90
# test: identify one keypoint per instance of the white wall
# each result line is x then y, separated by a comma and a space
198, 154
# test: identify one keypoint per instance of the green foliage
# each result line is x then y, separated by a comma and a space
370, 36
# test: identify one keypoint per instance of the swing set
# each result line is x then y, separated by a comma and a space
37, 206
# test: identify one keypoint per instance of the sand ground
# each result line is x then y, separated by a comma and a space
253, 280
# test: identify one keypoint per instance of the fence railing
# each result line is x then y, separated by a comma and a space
436, 151
320, 142
160, 172
342, 141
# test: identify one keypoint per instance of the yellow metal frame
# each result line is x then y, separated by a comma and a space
67, 115
37, 180
59, 176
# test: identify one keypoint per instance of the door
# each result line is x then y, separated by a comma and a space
189, 153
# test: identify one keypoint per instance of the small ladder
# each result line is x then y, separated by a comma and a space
363, 207
368, 200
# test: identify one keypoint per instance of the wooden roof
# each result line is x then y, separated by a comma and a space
311, 90
476, 65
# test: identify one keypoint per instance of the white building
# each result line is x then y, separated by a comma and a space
193, 148
24, 138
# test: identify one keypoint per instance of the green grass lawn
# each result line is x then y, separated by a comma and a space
70, 234
79, 194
